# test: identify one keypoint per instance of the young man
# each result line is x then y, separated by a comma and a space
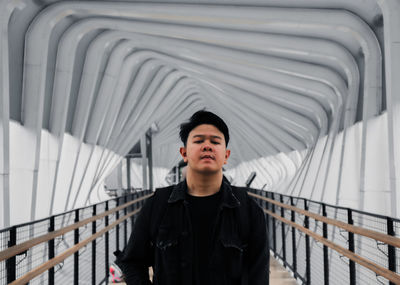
202, 231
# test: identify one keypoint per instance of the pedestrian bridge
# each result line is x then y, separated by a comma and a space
92, 94
317, 243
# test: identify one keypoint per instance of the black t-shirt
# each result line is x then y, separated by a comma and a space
203, 213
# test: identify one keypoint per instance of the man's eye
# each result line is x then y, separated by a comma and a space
198, 141
215, 142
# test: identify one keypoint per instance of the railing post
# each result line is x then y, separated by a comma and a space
273, 225
125, 222
260, 202
117, 227
128, 173
267, 218
325, 235
94, 248
294, 250
283, 232
307, 238
51, 250
352, 264
142, 193
391, 248
107, 244
11, 262
133, 208
264, 194
76, 254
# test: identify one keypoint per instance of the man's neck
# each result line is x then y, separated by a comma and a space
203, 185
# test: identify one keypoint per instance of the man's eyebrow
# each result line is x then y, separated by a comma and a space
203, 136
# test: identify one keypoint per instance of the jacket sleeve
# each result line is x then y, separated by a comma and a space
258, 248
137, 256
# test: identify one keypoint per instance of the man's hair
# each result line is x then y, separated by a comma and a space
203, 117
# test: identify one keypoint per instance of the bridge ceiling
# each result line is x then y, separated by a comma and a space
307, 87
281, 73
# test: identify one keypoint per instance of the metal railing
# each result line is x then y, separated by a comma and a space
325, 244
319, 243
75, 247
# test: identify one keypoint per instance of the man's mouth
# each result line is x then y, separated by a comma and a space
207, 157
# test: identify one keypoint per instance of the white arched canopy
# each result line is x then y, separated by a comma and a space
308, 89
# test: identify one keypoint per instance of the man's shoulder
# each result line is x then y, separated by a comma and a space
156, 206
240, 192
163, 193
163, 189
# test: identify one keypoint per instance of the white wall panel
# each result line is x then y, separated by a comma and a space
65, 170
350, 175
22, 142
20, 198
333, 172
82, 164
90, 175
324, 178
47, 174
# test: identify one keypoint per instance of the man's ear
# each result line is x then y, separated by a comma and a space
227, 154
182, 150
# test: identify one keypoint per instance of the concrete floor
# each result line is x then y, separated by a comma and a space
280, 275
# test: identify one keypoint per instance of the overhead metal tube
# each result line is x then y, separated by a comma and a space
128, 174
143, 147
149, 155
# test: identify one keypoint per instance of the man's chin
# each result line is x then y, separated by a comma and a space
209, 171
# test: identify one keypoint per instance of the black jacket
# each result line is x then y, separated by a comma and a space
162, 239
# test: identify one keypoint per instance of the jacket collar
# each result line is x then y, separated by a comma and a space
229, 200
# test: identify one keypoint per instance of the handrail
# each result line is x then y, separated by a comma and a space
54, 261
16, 249
391, 240
379, 270
60, 214
376, 215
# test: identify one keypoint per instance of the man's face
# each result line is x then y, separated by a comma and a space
205, 150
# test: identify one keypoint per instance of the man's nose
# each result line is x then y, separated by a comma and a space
207, 147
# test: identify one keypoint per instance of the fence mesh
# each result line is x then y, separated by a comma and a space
100, 259
396, 226
337, 265
301, 253
317, 262
88, 261
4, 239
